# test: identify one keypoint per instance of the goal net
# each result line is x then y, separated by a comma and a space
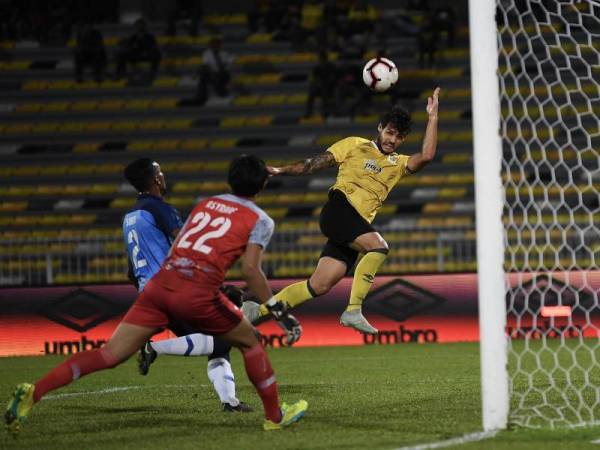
549, 82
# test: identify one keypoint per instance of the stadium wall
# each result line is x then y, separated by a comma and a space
406, 309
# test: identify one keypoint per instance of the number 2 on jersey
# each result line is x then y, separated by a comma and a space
132, 238
201, 221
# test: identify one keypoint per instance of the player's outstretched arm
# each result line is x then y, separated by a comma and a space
419, 160
305, 167
253, 275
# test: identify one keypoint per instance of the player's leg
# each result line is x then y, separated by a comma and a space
292, 296
345, 227
333, 264
221, 376
125, 341
326, 275
340, 222
260, 373
330, 268
196, 344
193, 344
189, 343
375, 250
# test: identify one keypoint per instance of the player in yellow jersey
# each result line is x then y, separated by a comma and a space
368, 170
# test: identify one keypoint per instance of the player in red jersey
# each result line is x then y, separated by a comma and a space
218, 231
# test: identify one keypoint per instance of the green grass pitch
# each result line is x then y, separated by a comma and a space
375, 397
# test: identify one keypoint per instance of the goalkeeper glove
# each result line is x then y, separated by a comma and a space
287, 322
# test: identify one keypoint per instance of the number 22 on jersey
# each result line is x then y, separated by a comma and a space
217, 228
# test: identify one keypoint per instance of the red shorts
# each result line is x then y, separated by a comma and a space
172, 297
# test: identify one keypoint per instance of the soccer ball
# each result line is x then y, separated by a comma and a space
379, 74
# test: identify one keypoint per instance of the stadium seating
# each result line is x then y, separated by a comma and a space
63, 146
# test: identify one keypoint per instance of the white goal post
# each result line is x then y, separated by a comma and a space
535, 74
488, 206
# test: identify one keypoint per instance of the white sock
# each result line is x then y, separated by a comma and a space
190, 345
221, 375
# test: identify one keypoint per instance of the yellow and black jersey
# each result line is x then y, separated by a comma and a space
366, 175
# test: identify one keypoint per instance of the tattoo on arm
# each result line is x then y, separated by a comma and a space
310, 165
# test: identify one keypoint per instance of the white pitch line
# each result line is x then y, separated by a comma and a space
597, 441
472, 437
118, 389
100, 392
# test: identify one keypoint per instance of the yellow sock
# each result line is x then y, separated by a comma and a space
292, 296
364, 274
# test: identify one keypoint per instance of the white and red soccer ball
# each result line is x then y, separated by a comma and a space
379, 74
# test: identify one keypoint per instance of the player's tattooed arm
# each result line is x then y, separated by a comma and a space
305, 167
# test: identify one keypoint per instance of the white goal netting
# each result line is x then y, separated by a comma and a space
549, 74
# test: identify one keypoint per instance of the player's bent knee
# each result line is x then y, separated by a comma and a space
320, 287
379, 245
383, 249
322, 283
371, 242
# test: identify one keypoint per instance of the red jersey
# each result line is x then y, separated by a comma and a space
215, 235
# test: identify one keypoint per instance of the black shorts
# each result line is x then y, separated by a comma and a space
341, 224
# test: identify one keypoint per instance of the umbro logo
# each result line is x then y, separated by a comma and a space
400, 300
368, 278
82, 310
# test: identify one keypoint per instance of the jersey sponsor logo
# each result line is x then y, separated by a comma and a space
220, 207
371, 166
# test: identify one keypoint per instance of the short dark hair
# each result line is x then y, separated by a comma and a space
247, 175
400, 118
140, 173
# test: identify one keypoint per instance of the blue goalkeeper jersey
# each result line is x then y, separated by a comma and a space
148, 231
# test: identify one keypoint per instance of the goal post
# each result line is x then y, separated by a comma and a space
488, 206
